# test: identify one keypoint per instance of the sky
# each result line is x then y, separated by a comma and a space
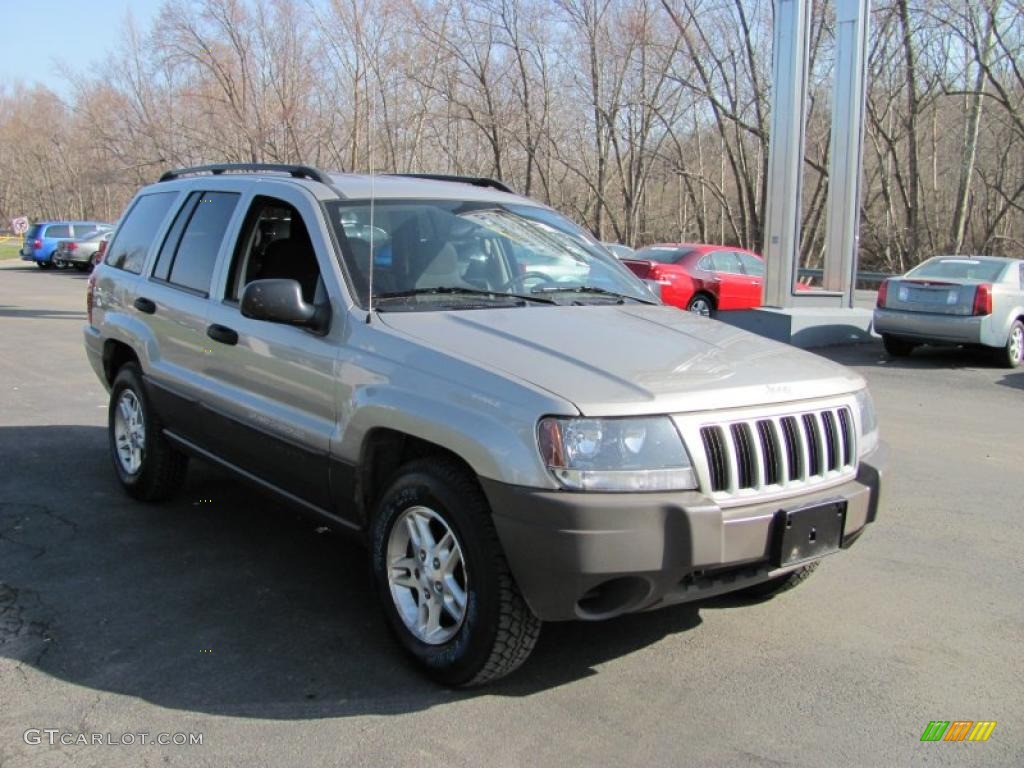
37, 34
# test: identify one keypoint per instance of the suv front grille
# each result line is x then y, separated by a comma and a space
758, 454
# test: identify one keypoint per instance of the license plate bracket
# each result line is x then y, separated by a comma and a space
808, 533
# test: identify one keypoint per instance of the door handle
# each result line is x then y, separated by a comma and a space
145, 305
223, 334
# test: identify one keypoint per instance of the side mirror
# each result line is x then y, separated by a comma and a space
280, 301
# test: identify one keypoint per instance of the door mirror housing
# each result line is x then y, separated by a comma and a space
280, 301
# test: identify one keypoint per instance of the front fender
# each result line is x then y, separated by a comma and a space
497, 442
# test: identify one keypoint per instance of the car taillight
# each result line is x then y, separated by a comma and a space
37, 244
983, 299
656, 275
72, 246
90, 290
883, 292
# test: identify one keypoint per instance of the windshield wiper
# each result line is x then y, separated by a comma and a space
588, 289
454, 290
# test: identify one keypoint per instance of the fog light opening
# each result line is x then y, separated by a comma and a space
610, 598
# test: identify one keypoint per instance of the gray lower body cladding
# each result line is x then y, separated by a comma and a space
594, 555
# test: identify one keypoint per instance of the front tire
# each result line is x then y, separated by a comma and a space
1012, 354
442, 578
148, 466
895, 347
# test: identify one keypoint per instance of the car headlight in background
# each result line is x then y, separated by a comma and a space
631, 454
868, 422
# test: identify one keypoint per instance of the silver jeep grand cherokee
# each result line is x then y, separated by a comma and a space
476, 388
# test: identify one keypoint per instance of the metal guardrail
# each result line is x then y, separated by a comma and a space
864, 279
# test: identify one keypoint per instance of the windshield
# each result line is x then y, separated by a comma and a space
472, 254
959, 268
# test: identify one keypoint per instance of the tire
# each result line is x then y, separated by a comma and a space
784, 583
895, 347
496, 631
701, 304
83, 266
1012, 354
160, 468
43, 264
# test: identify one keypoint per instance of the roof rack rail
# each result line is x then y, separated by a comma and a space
476, 181
295, 171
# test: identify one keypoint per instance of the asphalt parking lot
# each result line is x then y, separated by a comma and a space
223, 614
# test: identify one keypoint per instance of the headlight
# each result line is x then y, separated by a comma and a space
868, 422
643, 454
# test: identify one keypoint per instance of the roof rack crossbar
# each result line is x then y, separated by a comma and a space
476, 181
295, 171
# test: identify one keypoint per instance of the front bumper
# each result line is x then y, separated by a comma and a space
597, 555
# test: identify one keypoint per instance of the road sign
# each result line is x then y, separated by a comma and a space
19, 225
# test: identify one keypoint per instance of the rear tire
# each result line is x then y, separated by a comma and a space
495, 631
82, 266
148, 466
895, 347
781, 584
1012, 354
701, 304
43, 264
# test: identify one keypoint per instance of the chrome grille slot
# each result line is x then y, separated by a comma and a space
771, 455
714, 449
813, 435
794, 448
745, 462
770, 451
846, 435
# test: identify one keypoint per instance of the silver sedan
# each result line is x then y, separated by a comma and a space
972, 300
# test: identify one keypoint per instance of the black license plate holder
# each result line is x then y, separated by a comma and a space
808, 533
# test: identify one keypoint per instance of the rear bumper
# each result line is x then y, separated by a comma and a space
924, 326
620, 553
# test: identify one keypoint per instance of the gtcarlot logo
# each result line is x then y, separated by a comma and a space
55, 736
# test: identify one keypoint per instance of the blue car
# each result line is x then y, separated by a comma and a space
42, 239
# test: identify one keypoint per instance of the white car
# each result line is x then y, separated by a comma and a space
971, 300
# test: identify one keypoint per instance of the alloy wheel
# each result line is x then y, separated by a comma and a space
427, 575
130, 432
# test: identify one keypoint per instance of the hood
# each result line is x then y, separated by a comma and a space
629, 359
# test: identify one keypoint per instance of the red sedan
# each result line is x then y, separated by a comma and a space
702, 278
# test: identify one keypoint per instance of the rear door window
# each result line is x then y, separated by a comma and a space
58, 230
128, 250
752, 265
196, 254
727, 262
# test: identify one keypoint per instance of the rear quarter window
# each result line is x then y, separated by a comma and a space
58, 230
141, 223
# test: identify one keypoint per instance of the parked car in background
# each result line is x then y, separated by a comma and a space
971, 300
42, 239
701, 278
619, 250
79, 253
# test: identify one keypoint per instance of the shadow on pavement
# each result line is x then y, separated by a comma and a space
221, 601
922, 358
42, 314
1013, 380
